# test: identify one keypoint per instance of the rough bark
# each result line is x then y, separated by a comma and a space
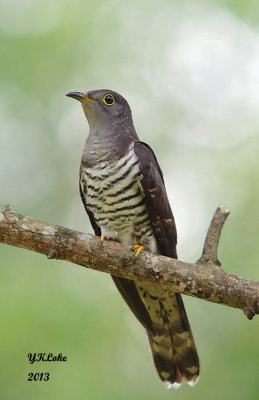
204, 279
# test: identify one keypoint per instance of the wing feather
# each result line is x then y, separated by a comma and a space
158, 206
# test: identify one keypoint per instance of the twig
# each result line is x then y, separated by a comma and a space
205, 279
210, 249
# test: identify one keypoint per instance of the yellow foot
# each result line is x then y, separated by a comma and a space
102, 238
139, 249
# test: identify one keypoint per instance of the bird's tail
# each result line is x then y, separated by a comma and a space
168, 330
172, 344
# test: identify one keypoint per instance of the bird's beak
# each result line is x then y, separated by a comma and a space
82, 97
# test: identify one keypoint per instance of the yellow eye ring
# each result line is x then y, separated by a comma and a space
108, 99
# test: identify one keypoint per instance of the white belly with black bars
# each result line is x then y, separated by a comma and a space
113, 195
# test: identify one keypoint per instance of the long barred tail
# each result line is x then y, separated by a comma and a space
168, 330
171, 340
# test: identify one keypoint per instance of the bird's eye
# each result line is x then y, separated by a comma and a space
109, 100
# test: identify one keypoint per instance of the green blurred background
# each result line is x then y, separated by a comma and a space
190, 73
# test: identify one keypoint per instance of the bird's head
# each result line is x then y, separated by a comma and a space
104, 109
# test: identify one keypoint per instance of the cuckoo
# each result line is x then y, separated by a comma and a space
124, 195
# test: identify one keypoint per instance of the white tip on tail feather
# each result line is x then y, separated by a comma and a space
193, 383
176, 385
169, 385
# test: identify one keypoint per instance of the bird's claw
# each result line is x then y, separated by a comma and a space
138, 248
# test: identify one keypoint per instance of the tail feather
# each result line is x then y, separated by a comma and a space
170, 339
168, 330
165, 361
185, 348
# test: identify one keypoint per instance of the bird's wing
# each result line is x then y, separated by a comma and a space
154, 192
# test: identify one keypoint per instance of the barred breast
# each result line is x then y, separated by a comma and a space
113, 195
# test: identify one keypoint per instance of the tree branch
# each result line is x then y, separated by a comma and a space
210, 249
205, 279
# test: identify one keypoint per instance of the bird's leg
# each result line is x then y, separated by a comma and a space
138, 249
108, 234
102, 239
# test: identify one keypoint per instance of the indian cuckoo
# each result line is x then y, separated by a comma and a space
124, 195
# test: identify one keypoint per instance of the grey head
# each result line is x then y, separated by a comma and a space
111, 129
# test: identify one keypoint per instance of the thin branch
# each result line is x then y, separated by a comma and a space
210, 249
205, 279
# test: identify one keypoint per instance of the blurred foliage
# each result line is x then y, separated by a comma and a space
190, 74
